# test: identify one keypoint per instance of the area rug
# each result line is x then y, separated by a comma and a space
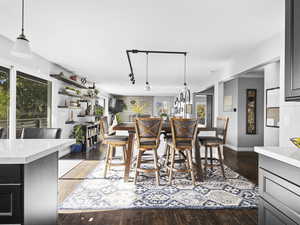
97, 193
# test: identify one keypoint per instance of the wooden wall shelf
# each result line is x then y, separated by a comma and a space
67, 107
87, 115
71, 95
69, 81
71, 122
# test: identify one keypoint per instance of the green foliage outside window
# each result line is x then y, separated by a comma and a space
4, 95
32, 98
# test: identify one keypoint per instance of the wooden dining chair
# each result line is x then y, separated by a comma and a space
112, 142
211, 142
147, 139
184, 133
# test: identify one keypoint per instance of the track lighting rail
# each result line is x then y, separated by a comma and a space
135, 51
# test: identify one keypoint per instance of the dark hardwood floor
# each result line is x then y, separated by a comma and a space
95, 154
162, 217
244, 163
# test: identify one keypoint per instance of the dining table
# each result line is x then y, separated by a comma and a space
130, 128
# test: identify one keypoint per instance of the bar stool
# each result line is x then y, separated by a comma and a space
148, 139
211, 142
112, 141
184, 132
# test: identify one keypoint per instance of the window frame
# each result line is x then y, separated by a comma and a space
7, 70
49, 94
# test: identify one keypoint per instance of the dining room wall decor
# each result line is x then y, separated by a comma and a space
251, 111
272, 107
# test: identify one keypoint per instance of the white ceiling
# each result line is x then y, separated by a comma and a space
91, 36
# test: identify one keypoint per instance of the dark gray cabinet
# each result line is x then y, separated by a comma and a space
292, 50
279, 189
10, 205
28, 192
11, 194
269, 215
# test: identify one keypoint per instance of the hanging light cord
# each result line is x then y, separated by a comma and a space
184, 72
23, 17
147, 69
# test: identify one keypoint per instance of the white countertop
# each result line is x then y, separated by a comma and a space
23, 151
289, 155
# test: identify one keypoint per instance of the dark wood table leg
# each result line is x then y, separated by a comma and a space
197, 153
129, 156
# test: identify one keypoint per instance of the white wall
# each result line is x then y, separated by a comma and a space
230, 88
39, 67
289, 112
271, 74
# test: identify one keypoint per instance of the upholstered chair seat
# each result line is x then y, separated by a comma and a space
210, 140
180, 144
111, 138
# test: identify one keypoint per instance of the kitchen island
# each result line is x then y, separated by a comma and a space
279, 185
29, 180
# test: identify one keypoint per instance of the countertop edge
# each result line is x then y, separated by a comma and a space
38, 155
276, 156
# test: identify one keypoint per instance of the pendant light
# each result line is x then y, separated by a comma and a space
21, 47
185, 88
147, 85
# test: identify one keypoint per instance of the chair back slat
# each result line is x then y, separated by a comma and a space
222, 126
148, 129
183, 131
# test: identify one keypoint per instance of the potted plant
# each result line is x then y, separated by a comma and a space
96, 92
78, 134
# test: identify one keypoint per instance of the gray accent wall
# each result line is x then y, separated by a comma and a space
237, 138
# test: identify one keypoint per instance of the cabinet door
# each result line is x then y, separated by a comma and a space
10, 204
269, 215
292, 51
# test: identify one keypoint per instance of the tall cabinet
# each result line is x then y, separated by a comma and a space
292, 50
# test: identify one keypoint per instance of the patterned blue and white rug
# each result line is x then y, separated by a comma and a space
96, 193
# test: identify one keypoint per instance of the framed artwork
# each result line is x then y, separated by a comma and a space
272, 107
228, 104
251, 111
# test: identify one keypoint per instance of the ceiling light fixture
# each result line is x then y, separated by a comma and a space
21, 47
147, 85
185, 88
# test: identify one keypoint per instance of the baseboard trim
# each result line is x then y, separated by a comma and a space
240, 149
245, 149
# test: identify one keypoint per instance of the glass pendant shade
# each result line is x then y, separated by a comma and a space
185, 87
21, 47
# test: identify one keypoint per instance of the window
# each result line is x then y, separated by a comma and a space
33, 103
4, 102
